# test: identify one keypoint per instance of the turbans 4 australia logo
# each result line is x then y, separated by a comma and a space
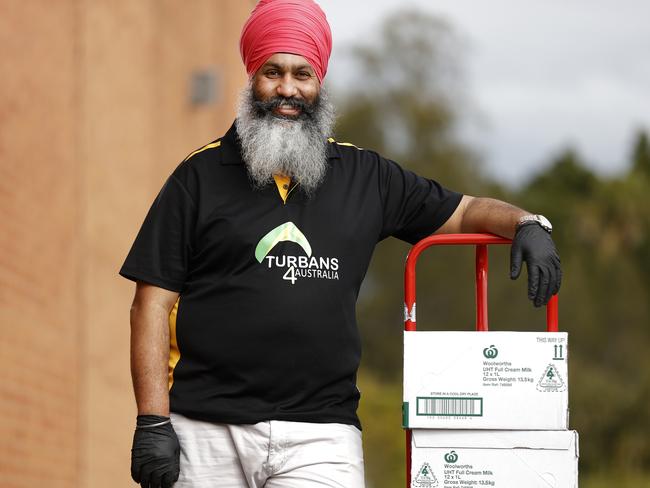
296, 267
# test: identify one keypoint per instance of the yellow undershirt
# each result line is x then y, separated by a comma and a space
284, 186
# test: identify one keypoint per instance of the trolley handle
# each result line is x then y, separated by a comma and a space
481, 241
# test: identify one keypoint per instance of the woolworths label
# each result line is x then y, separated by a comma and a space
504, 374
509, 374
453, 473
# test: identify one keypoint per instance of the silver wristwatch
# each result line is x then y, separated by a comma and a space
538, 219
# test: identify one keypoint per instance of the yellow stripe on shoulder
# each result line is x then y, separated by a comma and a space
207, 146
334, 141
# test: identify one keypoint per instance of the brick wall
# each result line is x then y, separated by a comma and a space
39, 247
94, 114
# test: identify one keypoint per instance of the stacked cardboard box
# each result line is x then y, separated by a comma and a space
489, 409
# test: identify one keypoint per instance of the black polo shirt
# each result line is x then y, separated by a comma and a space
265, 326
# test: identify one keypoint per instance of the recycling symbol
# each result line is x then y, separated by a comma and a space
551, 380
425, 478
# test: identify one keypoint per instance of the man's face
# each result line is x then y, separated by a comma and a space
285, 78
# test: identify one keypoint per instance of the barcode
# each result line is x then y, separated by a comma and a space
450, 406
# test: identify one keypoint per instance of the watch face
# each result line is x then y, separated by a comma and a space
540, 219
544, 222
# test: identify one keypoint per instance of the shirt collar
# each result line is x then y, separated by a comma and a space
231, 148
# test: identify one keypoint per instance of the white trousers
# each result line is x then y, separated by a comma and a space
274, 454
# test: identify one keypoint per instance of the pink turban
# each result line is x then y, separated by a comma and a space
286, 26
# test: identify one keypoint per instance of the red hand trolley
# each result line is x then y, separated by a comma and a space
481, 241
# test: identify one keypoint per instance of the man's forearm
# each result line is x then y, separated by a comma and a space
531, 244
150, 357
490, 215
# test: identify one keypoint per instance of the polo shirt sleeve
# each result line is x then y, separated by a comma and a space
413, 207
161, 252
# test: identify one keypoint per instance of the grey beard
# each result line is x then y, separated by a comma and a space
292, 147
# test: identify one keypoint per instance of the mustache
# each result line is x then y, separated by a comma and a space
266, 107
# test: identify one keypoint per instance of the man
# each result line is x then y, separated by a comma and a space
244, 342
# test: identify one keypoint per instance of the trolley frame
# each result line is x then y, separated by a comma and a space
481, 241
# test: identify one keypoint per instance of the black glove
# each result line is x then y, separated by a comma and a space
534, 245
155, 453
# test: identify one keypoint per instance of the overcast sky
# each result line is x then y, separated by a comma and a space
540, 75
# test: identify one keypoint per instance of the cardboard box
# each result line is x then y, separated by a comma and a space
486, 380
499, 459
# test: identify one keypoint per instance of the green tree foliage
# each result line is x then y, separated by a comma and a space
405, 106
603, 241
641, 155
